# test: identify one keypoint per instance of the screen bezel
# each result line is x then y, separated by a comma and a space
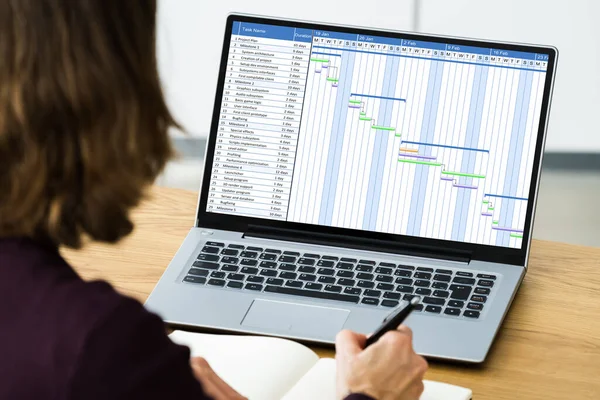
504, 255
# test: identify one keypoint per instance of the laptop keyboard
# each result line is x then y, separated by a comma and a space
361, 281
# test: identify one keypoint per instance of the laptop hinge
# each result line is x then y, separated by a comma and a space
386, 246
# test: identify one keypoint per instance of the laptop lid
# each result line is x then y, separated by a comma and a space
368, 137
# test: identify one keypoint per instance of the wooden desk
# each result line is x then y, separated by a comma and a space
548, 348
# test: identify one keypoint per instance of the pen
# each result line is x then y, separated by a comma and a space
393, 321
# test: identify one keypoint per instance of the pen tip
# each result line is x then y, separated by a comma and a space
415, 300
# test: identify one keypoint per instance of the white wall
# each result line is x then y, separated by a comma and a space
572, 26
190, 38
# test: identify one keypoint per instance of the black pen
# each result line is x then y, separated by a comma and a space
393, 321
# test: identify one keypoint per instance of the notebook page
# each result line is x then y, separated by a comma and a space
257, 367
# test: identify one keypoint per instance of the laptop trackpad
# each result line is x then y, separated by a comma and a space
295, 318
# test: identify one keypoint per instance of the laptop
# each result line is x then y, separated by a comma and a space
349, 170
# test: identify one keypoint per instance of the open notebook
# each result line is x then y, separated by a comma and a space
269, 368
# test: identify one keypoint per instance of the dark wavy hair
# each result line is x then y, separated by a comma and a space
83, 120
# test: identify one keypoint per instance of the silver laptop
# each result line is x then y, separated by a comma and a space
349, 170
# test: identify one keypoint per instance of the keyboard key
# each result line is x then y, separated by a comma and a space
248, 262
439, 285
252, 248
216, 282
267, 264
422, 283
333, 288
330, 258
456, 303
294, 284
268, 272
235, 284
287, 259
460, 292
236, 246
443, 271
442, 278
369, 301
352, 290
215, 244
326, 271
313, 286
268, 256
230, 260
350, 260
487, 276
345, 274
423, 291
325, 263
422, 275
384, 278
372, 293
392, 295
479, 290
409, 267
273, 251
253, 286
306, 261
210, 250
404, 289
479, 299
287, 267
364, 268
385, 286
198, 272
383, 270
307, 277
326, 279
418, 307
345, 265
365, 284
403, 273
464, 281
306, 269
485, 283
387, 265
475, 306
236, 277
194, 279
249, 270
433, 309
433, 300
255, 279
312, 293
309, 255
425, 269
291, 253
367, 262
409, 297
206, 265
441, 293
404, 281
249, 254
471, 314
365, 276
275, 281
452, 311
346, 282
288, 275
462, 273
390, 303
229, 252
208, 257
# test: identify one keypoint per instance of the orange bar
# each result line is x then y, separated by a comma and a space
408, 150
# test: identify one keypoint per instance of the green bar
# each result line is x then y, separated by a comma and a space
490, 208
332, 80
419, 162
486, 201
355, 101
463, 174
364, 119
516, 235
398, 135
319, 60
383, 128
495, 222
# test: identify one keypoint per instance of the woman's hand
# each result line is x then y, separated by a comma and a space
213, 386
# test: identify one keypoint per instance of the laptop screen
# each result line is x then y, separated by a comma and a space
427, 139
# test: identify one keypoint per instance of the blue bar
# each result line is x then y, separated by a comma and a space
303, 35
326, 54
267, 31
468, 49
236, 28
335, 35
501, 196
379, 39
377, 97
542, 57
446, 147
424, 45
513, 54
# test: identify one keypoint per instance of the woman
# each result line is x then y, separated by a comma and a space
83, 133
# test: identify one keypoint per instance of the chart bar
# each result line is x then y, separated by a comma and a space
364, 119
516, 236
501, 196
377, 97
383, 128
409, 150
486, 214
420, 157
353, 106
456, 185
431, 164
332, 80
463, 174
446, 146
500, 228
321, 60
326, 54
355, 101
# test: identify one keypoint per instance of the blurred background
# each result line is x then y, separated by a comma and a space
189, 46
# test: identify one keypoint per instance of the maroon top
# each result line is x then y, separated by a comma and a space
64, 338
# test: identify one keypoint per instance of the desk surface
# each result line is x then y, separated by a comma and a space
548, 347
